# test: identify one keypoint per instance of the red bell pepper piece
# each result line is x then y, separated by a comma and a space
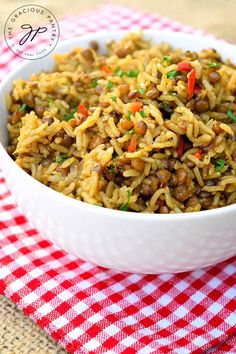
135, 106
185, 66
106, 69
191, 82
133, 144
198, 154
83, 110
180, 149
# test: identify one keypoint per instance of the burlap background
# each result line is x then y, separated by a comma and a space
18, 334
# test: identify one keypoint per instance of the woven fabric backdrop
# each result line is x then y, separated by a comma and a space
89, 309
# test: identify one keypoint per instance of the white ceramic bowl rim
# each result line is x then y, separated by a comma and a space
102, 210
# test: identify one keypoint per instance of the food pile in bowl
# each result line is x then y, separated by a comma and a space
142, 128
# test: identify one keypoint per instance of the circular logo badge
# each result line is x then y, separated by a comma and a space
31, 32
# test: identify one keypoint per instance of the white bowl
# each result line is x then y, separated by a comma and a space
144, 243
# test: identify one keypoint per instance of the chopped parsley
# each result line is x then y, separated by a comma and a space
61, 158
112, 168
167, 59
172, 73
142, 113
131, 132
128, 117
94, 83
70, 116
213, 65
132, 73
141, 91
124, 207
166, 107
219, 165
50, 100
231, 116
109, 84
119, 72
22, 107
114, 98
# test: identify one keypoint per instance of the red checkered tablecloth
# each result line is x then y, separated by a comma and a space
89, 309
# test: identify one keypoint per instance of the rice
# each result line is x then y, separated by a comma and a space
143, 128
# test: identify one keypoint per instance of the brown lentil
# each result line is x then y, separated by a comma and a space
192, 202
141, 127
66, 141
146, 191
152, 182
94, 45
163, 176
88, 54
191, 55
48, 119
108, 175
201, 106
138, 164
123, 89
181, 193
191, 105
214, 77
181, 176
152, 94
164, 209
126, 124
121, 52
175, 58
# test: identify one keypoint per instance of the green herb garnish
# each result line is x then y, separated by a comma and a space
142, 113
22, 107
128, 117
119, 72
114, 98
167, 58
70, 116
166, 107
213, 65
124, 207
231, 116
132, 73
109, 84
141, 91
131, 132
219, 165
61, 158
50, 100
94, 83
172, 73
112, 168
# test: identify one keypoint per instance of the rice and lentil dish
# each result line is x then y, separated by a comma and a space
144, 128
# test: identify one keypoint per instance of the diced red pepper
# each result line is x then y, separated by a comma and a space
106, 69
185, 66
83, 110
197, 90
180, 149
191, 82
135, 106
133, 144
198, 154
